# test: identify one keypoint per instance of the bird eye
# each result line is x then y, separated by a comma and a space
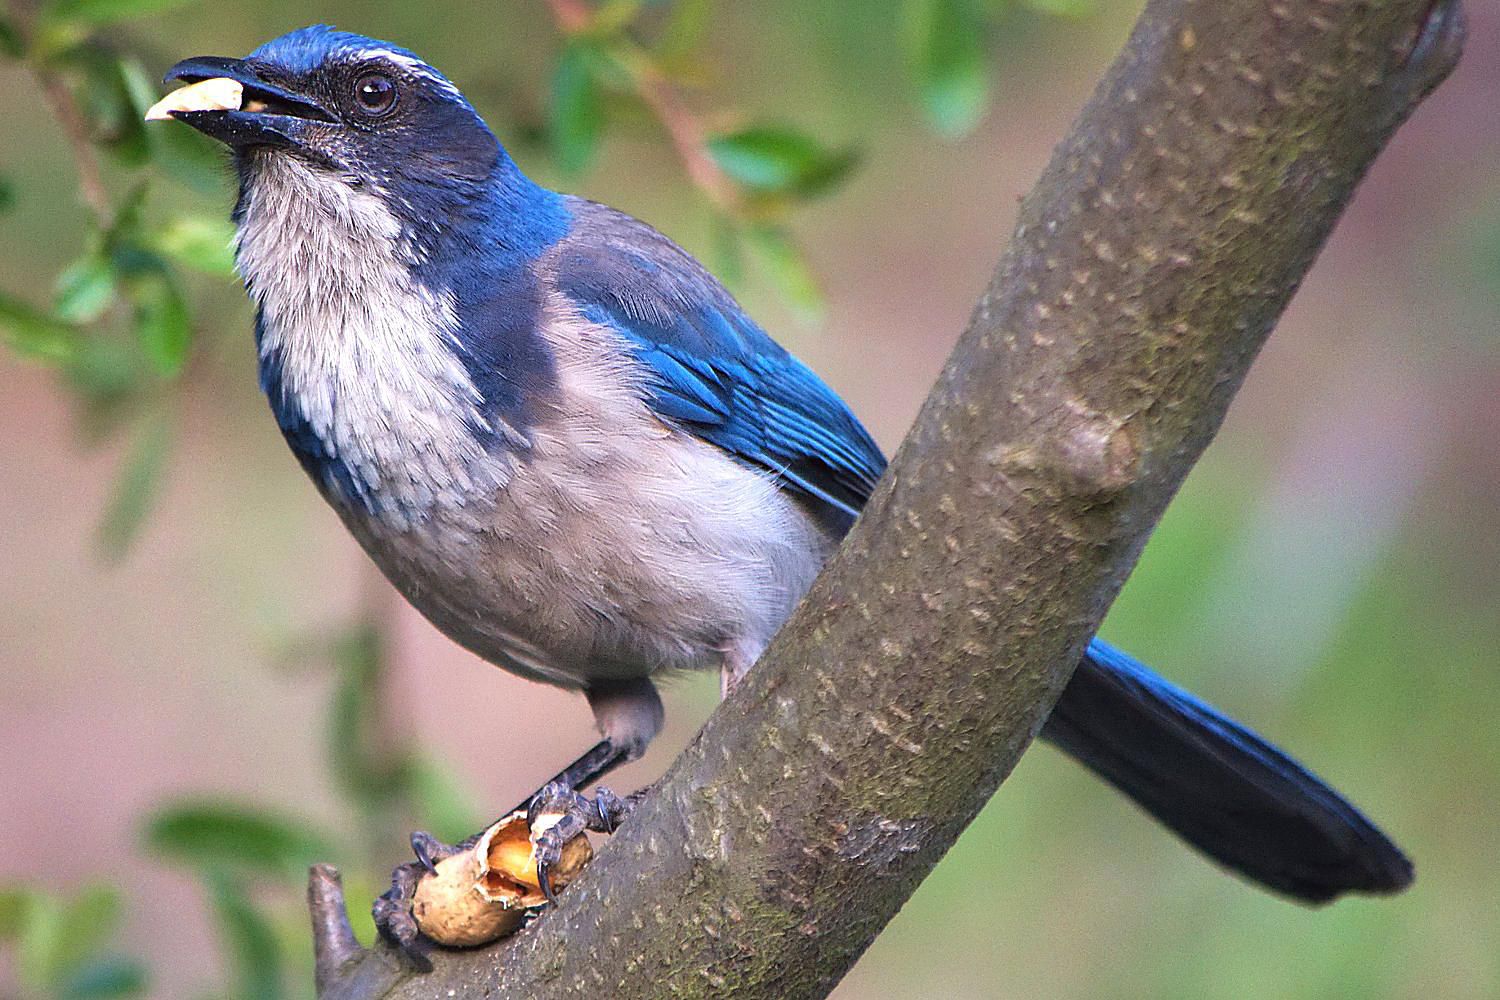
375, 93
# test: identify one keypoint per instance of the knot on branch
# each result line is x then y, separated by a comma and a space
1090, 456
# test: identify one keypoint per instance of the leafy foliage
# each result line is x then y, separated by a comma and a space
576, 113
198, 242
135, 487
778, 159
61, 943
35, 334
256, 958
232, 837
945, 49
773, 248
84, 289
10, 39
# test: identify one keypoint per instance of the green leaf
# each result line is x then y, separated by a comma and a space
777, 159
136, 488
99, 12
104, 371
684, 29
15, 909
124, 228
33, 334
107, 101
945, 48
575, 114
84, 289
10, 39
105, 976
39, 942
223, 835
88, 920
138, 85
254, 953
366, 764
7, 195
57, 936
162, 325
774, 250
198, 242
190, 157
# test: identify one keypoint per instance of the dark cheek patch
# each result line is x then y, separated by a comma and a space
428, 143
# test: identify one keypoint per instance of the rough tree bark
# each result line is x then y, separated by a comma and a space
1147, 267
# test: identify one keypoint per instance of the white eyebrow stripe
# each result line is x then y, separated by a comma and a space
415, 66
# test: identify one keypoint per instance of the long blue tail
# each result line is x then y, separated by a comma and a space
1222, 788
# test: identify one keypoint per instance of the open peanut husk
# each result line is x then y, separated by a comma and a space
484, 893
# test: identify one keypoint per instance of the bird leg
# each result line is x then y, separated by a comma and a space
628, 713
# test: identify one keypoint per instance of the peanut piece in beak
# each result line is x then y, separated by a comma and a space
217, 94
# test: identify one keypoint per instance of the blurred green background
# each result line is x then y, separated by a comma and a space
202, 686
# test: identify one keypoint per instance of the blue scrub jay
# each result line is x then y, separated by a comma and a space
568, 446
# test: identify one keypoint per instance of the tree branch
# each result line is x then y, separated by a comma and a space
1148, 266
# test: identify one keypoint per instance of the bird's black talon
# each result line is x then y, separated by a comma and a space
394, 919
605, 822
549, 843
544, 880
612, 809
429, 851
575, 813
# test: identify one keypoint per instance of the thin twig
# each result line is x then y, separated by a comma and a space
687, 134
65, 109
572, 16
684, 128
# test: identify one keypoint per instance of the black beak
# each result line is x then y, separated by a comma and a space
270, 115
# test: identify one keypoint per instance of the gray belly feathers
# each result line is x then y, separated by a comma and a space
567, 574
598, 542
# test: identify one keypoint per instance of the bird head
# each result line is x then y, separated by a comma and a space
388, 244
354, 110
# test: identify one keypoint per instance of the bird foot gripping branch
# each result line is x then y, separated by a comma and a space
474, 896
483, 889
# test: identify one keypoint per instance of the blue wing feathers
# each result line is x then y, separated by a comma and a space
712, 369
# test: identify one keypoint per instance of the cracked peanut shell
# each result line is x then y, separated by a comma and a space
483, 893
